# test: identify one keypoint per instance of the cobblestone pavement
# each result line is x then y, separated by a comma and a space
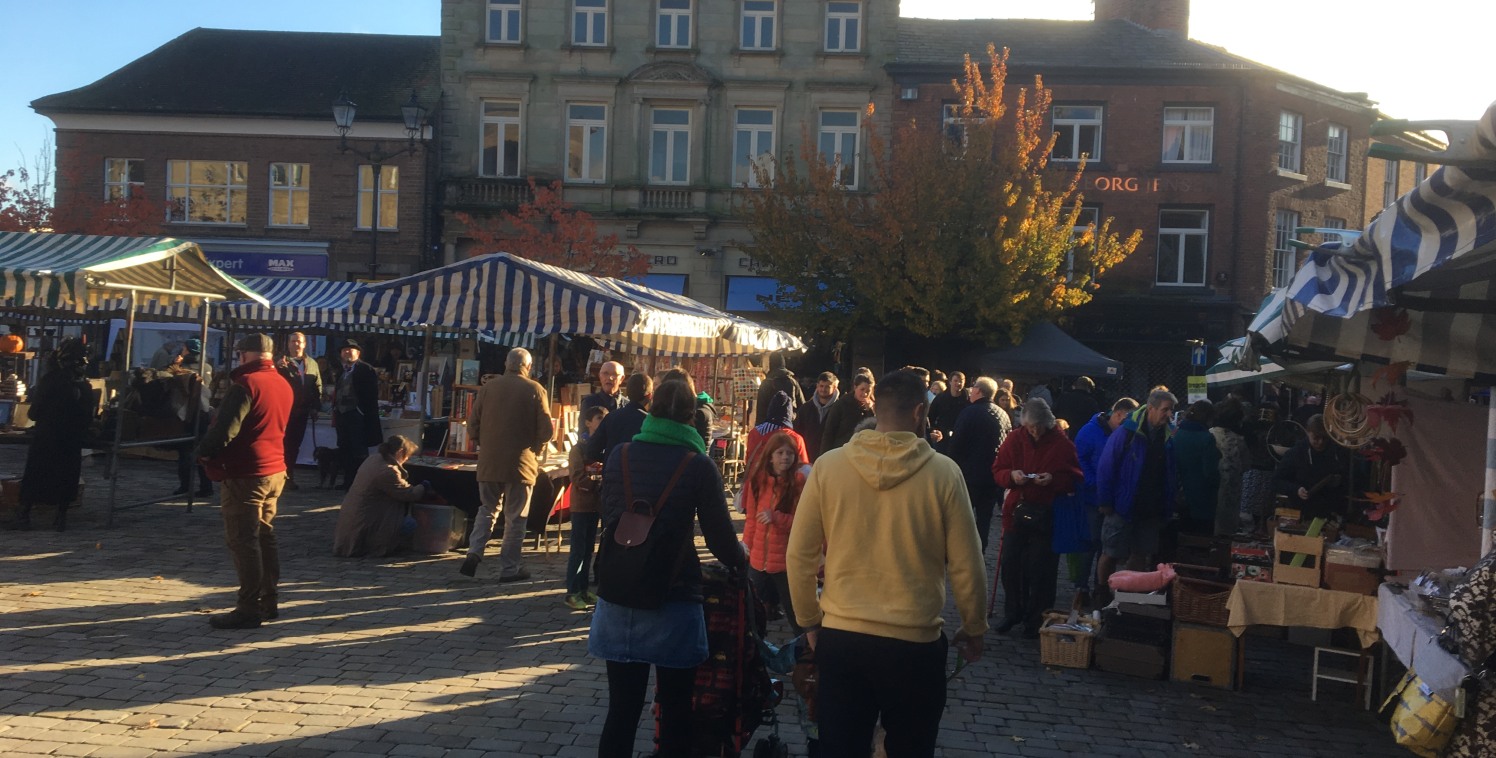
105, 651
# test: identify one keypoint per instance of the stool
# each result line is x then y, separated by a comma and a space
1361, 679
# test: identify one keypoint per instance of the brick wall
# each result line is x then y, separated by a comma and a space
332, 191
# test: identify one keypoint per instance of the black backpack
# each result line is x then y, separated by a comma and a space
640, 555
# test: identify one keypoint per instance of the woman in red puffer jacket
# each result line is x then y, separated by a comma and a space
773, 488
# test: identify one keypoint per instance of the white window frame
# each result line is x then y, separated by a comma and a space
668, 24
1420, 173
1182, 235
676, 139
1337, 153
841, 16
1193, 133
511, 16
293, 193
126, 188
389, 180
1285, 257
953, 125
755, 15
584, 176
1075, 123
500, 124
1390, 171
1290, 142
760, 143
839, 134
1094, 212
591, 12
179, 195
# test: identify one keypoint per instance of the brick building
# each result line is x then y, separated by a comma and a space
233, 130
1215, 158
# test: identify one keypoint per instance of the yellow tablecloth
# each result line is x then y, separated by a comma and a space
1291, 605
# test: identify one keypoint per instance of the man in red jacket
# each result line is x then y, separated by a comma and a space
245, 450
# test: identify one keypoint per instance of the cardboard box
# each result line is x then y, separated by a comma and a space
1252, 561
1131, 658
1343, 577
1288, 545
1208, 655
1142, 598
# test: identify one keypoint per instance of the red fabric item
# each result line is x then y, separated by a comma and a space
1053, 453
259, 447
767, 542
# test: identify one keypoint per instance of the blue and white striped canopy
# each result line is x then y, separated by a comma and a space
1417, 286
503, 292
64, 271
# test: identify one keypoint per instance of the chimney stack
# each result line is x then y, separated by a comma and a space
1172, 16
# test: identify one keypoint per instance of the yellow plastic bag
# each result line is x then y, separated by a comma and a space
1421, 721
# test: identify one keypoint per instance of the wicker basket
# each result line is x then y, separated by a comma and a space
1201, 601
1069, 648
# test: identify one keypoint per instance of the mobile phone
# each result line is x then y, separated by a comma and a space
1030, 476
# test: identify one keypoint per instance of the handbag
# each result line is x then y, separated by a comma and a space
1422, 721
1033, 517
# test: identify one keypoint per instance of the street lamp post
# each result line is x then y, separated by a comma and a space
413, 114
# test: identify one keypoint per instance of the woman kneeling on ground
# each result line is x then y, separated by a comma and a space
377, 503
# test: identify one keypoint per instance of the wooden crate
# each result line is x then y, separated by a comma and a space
1286, 545
1208, 655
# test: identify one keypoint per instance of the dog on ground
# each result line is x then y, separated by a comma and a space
327, 467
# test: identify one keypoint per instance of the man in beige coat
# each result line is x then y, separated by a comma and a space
511, 423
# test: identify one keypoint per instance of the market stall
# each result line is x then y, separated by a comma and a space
79, 273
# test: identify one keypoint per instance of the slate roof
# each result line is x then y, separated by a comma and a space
1048, 45
267, 74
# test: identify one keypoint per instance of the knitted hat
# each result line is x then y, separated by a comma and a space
194, 346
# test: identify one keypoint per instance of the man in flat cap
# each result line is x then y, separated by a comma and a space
355, 410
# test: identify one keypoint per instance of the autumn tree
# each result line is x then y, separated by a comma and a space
29, 204
550, 230
961, 232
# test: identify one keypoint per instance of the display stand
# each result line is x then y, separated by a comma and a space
459, 444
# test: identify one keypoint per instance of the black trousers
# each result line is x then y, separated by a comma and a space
983, 505
627, 684
865, 677
776, 585
1029, 571
351, 450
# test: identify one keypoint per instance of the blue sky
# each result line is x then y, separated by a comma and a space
1373, 46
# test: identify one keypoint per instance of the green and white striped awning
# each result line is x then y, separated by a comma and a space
71, 271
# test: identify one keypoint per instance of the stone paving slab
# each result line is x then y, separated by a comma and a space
105, 651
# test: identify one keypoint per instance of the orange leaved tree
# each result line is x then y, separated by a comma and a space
960, 231
550, 230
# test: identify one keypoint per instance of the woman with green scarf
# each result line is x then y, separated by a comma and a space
666, 466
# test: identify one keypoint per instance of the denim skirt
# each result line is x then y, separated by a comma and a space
673, 636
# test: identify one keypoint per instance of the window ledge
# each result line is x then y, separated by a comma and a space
1160, 288
679, 52
488, 43
289, 226
851, 55
1187, 167
573, 48
1294, 175
382, 229
758, 52
222, 225
1332, 184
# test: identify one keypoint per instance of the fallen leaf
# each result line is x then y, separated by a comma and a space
32, 594
1209, 708
156, 579
148, 725
1191, 746
1016, 738
98, 546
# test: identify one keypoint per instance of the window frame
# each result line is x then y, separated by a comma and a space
842, 19
129, 186
1391, 171
1291, 150
592, 12
839, 133
230, 190
1420, 173
759, 16
1190, 134
1337, 161
1055, 122
505, 7
671, 132
1182, 235
953, 124
585, 176
1077, 230
676, 14
291, 192
393, 217
485, 121
1285, 257
757, 132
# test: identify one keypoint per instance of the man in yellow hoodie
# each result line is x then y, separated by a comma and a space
895, 520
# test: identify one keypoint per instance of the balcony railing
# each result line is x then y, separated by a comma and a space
657, 199
486, 192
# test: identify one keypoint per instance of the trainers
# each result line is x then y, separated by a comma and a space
518, 576
470, 566
235, 619
576, 602
590, 597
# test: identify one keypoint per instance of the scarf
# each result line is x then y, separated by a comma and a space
663, 431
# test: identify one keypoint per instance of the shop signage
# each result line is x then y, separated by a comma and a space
1195, 388
309, 266
1140, 184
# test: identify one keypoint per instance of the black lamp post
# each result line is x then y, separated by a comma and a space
414, 115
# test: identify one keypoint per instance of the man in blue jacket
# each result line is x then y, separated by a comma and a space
1089, 442
1136, 481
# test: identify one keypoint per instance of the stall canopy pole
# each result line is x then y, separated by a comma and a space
1488, 496
119, 408
551, 363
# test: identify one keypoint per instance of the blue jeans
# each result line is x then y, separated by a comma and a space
583, 540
